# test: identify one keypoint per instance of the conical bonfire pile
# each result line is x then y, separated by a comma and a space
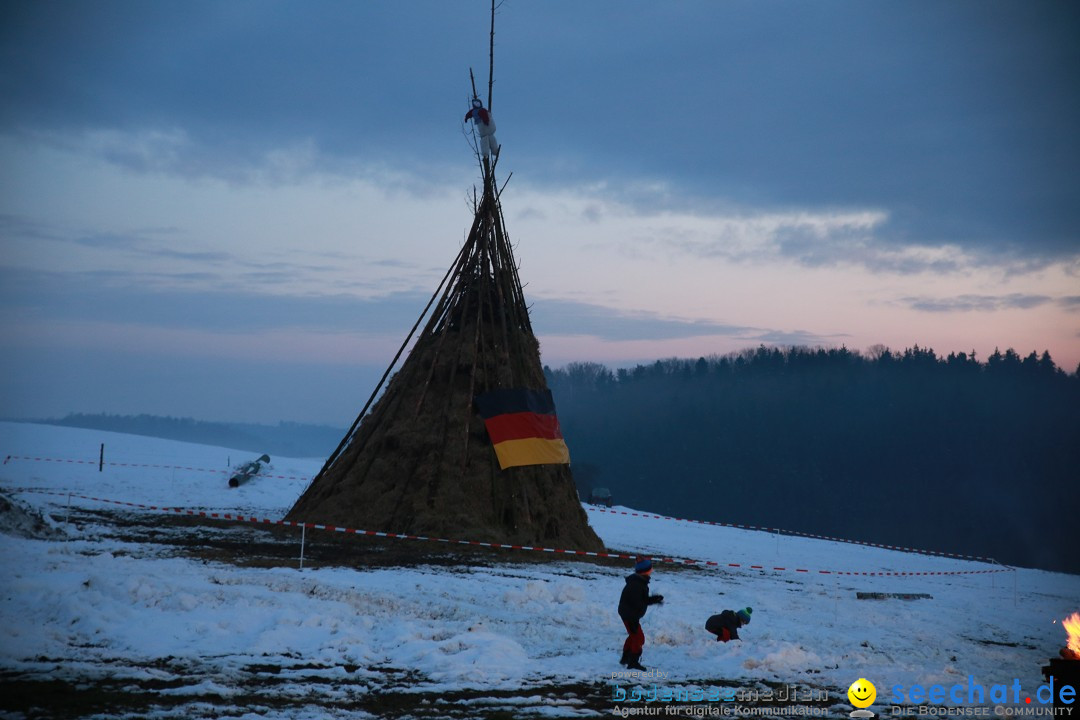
470, 398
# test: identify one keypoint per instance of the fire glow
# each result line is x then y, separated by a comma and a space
1072, 627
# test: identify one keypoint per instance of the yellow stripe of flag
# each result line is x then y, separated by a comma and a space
531, 451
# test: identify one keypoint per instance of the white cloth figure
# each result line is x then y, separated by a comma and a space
485, 128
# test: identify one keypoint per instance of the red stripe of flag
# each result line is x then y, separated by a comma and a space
518, 426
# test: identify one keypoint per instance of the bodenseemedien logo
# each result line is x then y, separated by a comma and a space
862, 694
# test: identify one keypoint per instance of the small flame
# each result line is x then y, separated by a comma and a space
1072, 627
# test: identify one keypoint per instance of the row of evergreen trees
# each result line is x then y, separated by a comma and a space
906, 448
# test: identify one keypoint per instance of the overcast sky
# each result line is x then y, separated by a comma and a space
235, 210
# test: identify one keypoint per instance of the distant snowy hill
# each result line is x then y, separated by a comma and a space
291, 439
139, 612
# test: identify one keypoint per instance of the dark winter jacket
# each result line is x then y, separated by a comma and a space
635, 598
724, 626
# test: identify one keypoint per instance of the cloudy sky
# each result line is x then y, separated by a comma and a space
236, 209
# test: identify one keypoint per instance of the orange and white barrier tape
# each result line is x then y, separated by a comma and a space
503, 546
781, 531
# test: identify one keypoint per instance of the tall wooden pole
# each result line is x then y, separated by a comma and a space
491, 56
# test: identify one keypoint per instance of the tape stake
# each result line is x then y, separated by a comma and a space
528, 548
303, 537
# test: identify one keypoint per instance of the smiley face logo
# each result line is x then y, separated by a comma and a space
862, 693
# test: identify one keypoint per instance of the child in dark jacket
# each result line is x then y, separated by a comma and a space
633, 602
725, 626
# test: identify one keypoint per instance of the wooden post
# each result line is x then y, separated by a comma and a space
303, 535
491, 56
101, 458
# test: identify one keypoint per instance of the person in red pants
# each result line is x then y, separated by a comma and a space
725, 626
633, 603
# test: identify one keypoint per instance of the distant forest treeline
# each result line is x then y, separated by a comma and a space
906, 448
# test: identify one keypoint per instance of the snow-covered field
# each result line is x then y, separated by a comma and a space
128, 612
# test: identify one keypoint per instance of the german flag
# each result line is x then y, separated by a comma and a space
522, 426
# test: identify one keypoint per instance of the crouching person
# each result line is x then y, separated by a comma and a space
725, 626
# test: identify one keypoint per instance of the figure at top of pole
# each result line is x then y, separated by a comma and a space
485, 128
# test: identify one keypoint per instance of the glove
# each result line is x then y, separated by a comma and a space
655, 599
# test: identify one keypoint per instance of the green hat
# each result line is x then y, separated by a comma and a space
744, 615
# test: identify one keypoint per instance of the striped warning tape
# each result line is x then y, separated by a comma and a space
143, 465
795, 533
504, 546
798, 533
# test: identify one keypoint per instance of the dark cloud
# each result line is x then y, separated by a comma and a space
392, 263
800, 338
112, 297
863, 247
822, 241
19, 226
978, 303
208, 85
193, 256
138, 244
567, 317
957, 118
220, 270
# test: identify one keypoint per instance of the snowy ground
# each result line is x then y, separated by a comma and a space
131, 612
